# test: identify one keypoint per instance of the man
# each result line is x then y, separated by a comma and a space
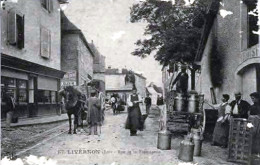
239, 107
10, 106
113, 103
148, 103
255, 108
182, 81
134, 119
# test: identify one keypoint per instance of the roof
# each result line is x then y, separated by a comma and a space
155, 87
115, 71
210, 17
67, 27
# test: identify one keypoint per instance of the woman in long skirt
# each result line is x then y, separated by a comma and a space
134, 118
94, 114
221, 130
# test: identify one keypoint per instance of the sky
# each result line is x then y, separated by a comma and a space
106, 22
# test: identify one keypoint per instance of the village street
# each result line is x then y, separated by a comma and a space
117, 146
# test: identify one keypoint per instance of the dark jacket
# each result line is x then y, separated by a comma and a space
10, 105
255, 109
243, 108
148, 101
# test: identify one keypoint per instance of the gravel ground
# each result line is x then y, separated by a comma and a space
116, 147
19, 138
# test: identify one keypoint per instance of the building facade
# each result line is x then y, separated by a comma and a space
77, 58
116, 83
99, 69
30, 56
229, 51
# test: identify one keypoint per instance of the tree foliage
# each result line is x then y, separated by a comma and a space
174, 30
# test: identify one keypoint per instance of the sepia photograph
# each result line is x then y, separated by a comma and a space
130, 82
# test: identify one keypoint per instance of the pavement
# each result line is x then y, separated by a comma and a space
116, 146
37, 120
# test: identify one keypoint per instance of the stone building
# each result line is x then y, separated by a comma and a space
99, 68
77, 58
30, 56
229, 51
115, 83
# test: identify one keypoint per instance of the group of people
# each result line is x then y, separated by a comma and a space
237, 108
116, 104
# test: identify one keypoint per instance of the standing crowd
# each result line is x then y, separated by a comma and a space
237, 108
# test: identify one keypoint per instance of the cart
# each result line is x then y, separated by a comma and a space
185, 110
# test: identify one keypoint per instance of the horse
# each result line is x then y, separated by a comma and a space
74, 104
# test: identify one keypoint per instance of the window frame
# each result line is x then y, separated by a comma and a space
15, 28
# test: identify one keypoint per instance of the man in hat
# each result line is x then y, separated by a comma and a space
255, 108
148, 103
239, 107
181, 81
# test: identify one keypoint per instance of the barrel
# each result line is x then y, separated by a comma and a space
164, 141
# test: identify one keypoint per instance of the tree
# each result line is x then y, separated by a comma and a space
174, 29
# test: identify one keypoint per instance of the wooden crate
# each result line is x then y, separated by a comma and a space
240, 141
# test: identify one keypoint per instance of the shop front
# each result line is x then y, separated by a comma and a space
34, 87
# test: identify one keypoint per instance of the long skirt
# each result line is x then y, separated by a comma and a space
134, 119
95, 116
220, 134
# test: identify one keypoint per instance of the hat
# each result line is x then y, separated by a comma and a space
238, 94
226, 96
255, 94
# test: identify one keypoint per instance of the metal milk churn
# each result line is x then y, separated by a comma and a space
193, 102
179, 102
164, 141
186, 149
197, 142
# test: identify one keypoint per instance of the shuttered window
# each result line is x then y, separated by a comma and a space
15, 32
45, 43
47, 4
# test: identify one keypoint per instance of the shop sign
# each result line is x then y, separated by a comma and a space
250, 53
68, 83
69, 79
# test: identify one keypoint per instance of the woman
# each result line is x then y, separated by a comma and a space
94, 114
134, 118
221, 130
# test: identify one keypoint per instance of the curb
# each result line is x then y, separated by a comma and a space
33, 124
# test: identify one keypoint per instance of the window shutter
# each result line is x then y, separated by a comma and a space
12, 31
49, 44
50, 7
44, 43
20, 30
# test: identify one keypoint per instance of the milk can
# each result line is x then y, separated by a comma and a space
186, 149
164, 141
179, 104
197, 142
193, 102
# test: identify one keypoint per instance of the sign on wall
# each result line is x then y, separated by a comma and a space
69, 79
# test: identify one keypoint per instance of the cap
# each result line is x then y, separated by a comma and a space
238, 94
